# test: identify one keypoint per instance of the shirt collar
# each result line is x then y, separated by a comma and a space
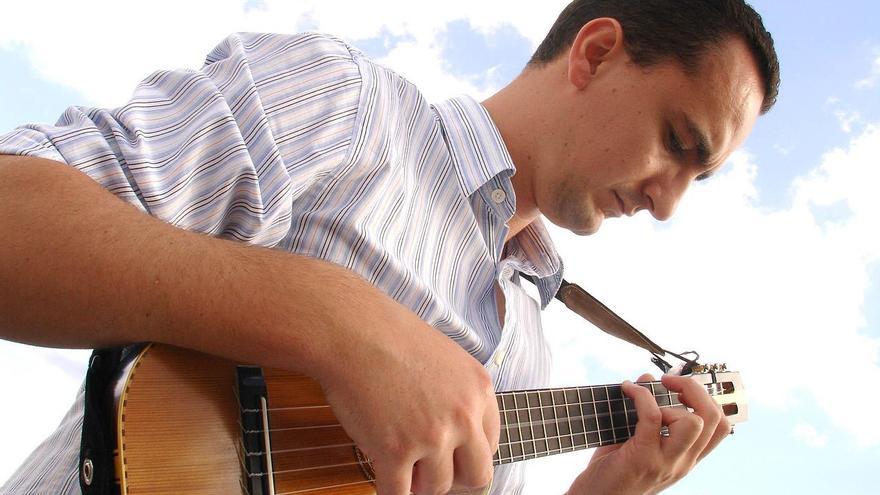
475, 144
484, 165
534, 254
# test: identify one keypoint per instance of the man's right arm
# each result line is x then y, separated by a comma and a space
84, 269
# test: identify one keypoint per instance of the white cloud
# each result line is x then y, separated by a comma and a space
847, 119
783, 149
105, 64
103, 48
808, 434
870, 81
775, 293
421, 63
38, 387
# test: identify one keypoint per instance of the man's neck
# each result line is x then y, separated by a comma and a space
520, 115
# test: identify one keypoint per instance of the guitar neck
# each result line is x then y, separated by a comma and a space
538, 423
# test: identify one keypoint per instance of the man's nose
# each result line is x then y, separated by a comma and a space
665, 193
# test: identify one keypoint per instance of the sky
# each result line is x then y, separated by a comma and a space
772, 266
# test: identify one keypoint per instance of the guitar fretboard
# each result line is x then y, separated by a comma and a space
537, 423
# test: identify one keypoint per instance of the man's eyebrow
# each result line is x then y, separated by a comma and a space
701, 142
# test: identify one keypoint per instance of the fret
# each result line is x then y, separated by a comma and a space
629, 412
542, 446
563, 421
660, 394
524, 417
575, 412
603, 414
591, 422
513, 427
558, 451
551, 422
610, 414
618, 413
504, 453
570, 419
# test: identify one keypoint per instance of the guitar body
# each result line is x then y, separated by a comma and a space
179, 430
191, 423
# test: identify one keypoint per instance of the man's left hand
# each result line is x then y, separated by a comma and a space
648, 462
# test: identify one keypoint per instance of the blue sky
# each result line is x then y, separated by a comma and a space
789, 292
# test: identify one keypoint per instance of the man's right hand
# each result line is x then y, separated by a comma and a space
416, 403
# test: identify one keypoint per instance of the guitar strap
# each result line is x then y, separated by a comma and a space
591, 309
97, 470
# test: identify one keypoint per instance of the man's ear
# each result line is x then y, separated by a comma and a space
597, 42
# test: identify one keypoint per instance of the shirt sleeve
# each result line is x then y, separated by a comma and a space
225, 150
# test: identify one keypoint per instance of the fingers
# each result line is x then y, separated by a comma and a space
432, 475
648, 412
492, 423
714, 427
721, 432
468, 467
393, 478
473, 466
647, 377
685, 429
445, 467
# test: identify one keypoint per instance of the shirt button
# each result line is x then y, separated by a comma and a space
498, 196
499, 357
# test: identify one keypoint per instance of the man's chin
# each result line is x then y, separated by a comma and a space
580, 224
589, 229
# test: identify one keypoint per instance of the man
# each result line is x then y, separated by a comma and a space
303, 145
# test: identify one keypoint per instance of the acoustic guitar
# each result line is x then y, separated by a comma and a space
190, 423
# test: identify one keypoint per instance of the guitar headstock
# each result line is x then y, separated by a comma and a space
725, 387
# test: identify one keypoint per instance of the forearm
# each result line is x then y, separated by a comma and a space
83, 269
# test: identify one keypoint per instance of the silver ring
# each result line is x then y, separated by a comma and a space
664, 431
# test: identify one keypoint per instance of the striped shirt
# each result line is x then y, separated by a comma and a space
302, 144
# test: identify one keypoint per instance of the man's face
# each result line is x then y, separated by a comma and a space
637, 137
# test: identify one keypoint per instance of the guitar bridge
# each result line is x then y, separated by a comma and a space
257, 458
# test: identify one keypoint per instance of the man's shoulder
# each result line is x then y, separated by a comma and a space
283, 48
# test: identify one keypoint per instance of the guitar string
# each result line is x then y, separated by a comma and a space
626, 400
511, 457
657, 394
516, 426
496, 461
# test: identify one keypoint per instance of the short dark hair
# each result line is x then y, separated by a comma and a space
654, 30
